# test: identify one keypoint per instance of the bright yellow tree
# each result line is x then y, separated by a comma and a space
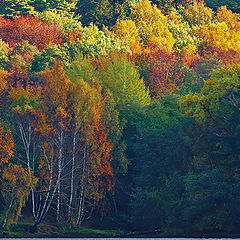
151, 23
16, 185
227, 16
222, 41
198, 13
126, 30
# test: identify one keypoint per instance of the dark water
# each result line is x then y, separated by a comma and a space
119, 238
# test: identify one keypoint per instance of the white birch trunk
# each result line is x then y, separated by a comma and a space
60, 159
82, 198
72, 174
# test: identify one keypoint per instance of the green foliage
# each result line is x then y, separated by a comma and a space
211, 194
102, 12
112, 117
121, 77
93, 231
216, 109
47, 58
62, 5
234, 5
10, 8
76, 101
192, 82
4, 54
96, 42
194, 79
182, 33
217, 100
66, 23
81, 69
154, 136
172, 199
211, 200
147, 212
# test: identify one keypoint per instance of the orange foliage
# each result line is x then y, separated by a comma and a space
75, 36
6, 145
55, 94
3, 82
100, 175
18, 176
26, 102
222, 42
164, 72
103, 155
227, 16
189, 55
35, 31
57, 85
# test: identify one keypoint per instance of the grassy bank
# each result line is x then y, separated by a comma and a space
23, 230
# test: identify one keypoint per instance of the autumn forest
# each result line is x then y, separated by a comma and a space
120, 114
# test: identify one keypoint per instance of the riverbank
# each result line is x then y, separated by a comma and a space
152, 234
49, 231
22, 230
62, 235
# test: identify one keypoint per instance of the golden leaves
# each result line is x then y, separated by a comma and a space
35, 31
3, 83
6, 145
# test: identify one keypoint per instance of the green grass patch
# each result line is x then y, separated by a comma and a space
92, 231
47, 229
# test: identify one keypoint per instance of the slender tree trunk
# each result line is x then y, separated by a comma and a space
82, 198
26, 137
72, 174
59, 173
34, 228
8, 211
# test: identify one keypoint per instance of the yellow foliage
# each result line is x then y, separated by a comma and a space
227, 16
16, 185
198, 13
223, 41
3, 82
25, 99
126, 31
189, 54
91, 33
57, 85
151, 22
174, 17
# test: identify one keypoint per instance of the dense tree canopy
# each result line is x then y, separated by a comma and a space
120, 114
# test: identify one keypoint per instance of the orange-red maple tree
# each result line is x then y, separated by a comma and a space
31, 29
164, 71
6, 145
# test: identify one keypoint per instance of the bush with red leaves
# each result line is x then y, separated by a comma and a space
31, 29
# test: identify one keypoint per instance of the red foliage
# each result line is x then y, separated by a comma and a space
105, 168
164, 72
6, 145
19, 75
31, 29
100, 159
